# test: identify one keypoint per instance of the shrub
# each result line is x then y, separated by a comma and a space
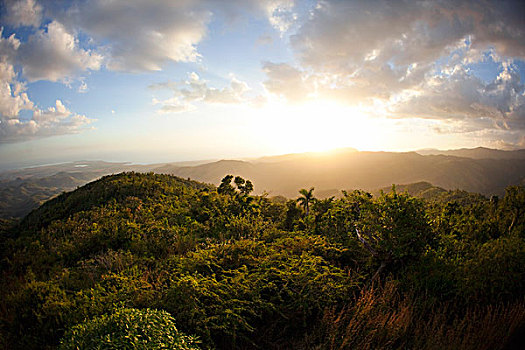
128, 329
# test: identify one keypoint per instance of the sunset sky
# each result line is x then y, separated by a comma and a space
155, 81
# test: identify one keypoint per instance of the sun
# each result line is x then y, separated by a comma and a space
316, 126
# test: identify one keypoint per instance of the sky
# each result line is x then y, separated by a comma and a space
158, 81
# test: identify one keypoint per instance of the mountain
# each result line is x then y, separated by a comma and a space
332, 172
20, 196
477, 153
479, 170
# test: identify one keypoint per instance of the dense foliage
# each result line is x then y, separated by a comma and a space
128, 329
240, 271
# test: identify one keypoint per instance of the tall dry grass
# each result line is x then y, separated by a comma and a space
383, 318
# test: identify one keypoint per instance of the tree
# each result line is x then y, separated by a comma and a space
306, 199
393, 228
245, 187
225, 187
514, 206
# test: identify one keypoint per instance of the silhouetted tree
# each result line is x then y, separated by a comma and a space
245, 187
306, 199
225, 187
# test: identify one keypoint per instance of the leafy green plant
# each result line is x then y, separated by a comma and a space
128, 329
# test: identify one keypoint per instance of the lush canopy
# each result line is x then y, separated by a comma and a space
240, 271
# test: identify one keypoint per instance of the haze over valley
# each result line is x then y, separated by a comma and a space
479, 170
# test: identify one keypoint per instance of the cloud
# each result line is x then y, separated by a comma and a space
411, 59
22, 13
286, 81
129, 35
82, 88
280, 13
53, 121
54, 54
142, 35
194, 89
14, 100
463, 96
13, 97
342, 35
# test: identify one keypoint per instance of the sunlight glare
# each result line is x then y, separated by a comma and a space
317, 126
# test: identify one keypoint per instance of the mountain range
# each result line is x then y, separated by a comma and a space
481, 170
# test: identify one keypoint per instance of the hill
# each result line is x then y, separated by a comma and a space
329, 172
477, 153
238, 271
423, 190
364, 170
20, 196
26, 189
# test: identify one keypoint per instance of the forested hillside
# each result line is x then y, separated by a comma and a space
480, 170
160, 261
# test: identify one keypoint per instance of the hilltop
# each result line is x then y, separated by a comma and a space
238, 271
478, 170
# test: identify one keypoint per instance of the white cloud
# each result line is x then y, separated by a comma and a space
54, 54
194, 89
8, 46
13, 97
280, 13
22, 13
53, 121
14, 100
411, 58
142, 35
82, 88
129, 35
498, 104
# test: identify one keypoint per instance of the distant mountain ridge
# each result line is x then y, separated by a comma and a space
477, 153
479, 170
364, 170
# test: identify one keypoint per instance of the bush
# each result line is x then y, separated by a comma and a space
128, 329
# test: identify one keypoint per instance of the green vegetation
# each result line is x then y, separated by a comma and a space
128, 329
18, 197
162, 262
478, 170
